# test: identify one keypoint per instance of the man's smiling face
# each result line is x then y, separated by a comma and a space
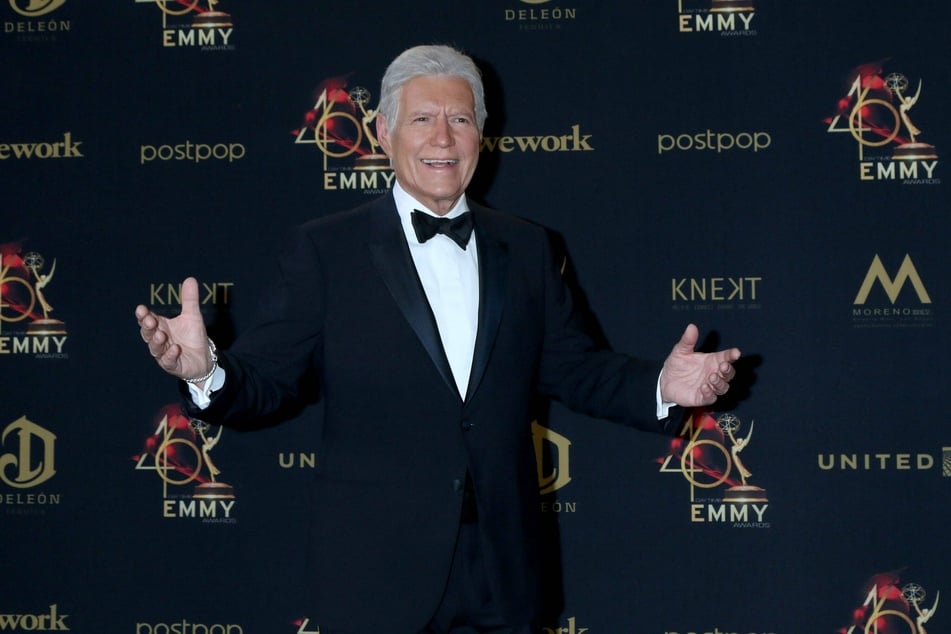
434, 143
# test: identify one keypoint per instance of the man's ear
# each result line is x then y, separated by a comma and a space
382, 133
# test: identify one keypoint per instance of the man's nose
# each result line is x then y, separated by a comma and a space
442, 132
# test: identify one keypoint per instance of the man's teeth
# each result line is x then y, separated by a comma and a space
439, 163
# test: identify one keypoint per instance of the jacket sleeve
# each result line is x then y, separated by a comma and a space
588, 377
269, 366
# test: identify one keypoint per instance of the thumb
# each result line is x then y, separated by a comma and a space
688, 340
190, 304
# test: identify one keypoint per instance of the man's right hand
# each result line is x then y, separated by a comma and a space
179, 345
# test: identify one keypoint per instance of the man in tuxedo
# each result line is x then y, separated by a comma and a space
431, 324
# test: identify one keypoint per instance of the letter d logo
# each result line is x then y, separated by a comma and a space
36, 8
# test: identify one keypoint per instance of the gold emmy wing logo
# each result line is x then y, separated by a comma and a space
204, 18
707, 454
893, 609
32, 461
341, 126
23, 283
179, 452
209, 28
35, 8
877, 113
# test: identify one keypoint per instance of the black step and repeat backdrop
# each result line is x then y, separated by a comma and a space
772, 171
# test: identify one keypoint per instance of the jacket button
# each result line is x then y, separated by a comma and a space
466, 425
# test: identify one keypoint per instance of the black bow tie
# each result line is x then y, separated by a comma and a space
458, 228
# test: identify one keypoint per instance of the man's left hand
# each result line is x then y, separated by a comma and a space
693, 379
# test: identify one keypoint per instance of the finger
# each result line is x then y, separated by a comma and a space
158, 344
688, 340
707, 394
727, 371
148, 324
719, 385
168, 361
145, 320
190, 303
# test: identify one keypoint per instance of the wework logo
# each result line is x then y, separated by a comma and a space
67, 148
574, 141
51, 622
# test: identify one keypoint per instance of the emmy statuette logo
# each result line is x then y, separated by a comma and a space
179, 452
208, 29
27, 324
893, 608
708, 455
877, 113
341, 126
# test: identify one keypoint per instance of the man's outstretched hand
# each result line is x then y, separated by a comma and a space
179, 345
693, 379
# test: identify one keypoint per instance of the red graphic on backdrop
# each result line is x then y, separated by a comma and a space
179, 452
17, 298
879, 110
892, 607
342, 124
707, 454
25, 307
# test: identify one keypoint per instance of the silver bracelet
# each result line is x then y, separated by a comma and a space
214, 364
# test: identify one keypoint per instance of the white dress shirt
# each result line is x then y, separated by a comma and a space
450, 278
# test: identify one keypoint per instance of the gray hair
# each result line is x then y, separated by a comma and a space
422, 61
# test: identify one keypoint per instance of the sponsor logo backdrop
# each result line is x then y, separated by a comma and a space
772, 171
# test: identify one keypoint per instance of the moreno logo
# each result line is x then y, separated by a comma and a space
906, 273
51, 622
67, 148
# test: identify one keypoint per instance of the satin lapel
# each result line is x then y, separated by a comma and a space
392, 259
493, 284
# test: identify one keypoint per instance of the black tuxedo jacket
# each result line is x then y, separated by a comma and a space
397, 438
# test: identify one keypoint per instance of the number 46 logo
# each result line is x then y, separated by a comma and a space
890, 610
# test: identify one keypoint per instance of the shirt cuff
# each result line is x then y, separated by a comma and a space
663, 407
201, 396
